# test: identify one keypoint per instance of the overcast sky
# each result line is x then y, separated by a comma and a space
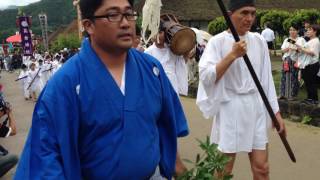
6, 3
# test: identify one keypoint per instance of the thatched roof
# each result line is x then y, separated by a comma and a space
70, 29
187, 9
208, 9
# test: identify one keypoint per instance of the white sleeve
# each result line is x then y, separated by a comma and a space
315, 48
182, 75
9, 132
21, 74
273, 36
301, 41
267, 80
210, 94
284, 44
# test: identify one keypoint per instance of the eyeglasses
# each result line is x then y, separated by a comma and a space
118, 17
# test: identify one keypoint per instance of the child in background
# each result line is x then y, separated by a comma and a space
24, 82
33, 81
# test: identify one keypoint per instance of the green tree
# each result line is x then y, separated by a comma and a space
217, 25
69, 41
257, 26
300, 16
275, 18
59, 12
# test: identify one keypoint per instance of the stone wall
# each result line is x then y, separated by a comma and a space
296, 111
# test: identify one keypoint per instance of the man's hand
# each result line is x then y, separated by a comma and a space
12, 123
281, 124
239, 49
180, 168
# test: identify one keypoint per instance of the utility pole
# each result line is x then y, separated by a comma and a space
80, 28
44, 28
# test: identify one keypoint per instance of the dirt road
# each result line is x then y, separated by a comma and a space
305, 140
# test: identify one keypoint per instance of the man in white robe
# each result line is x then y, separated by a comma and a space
228, 94
174, 65
33, 81
24, 81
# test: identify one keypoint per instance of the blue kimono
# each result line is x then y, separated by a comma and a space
83, 127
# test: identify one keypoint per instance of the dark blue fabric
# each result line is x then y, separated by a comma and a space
100, 133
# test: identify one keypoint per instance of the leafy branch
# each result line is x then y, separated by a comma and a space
207, 165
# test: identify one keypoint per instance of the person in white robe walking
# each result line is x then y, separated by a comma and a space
174, 65
228, 94
33, 81
24, 82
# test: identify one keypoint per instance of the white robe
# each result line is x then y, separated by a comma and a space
24, 83
42, 80
35, 86
56, 65
240, 118
46, 72
174, 66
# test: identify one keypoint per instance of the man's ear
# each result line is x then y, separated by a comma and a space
229, 13
88, 26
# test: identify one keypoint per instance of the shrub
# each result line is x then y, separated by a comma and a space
208, 164
275, 18
65, 41
217, 25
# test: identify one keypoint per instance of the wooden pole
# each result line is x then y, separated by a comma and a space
76, 4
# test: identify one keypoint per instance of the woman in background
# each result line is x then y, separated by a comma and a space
289, 85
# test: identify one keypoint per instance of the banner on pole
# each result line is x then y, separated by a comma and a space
26, 41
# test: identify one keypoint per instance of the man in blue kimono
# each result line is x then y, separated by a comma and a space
109, 113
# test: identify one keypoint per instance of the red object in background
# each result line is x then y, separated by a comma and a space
14, 39
286, 67
5, 49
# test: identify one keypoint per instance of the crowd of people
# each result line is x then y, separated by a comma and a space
301, 61
35, 70
300, 55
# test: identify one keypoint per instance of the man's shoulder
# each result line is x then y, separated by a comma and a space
218, 37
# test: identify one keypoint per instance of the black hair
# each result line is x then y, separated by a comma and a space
3, 106
295, 26
138, 30
307, 21
234, 5
316, 27
89, 7
23, 66
161, 27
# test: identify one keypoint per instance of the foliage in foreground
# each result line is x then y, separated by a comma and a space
207, 164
